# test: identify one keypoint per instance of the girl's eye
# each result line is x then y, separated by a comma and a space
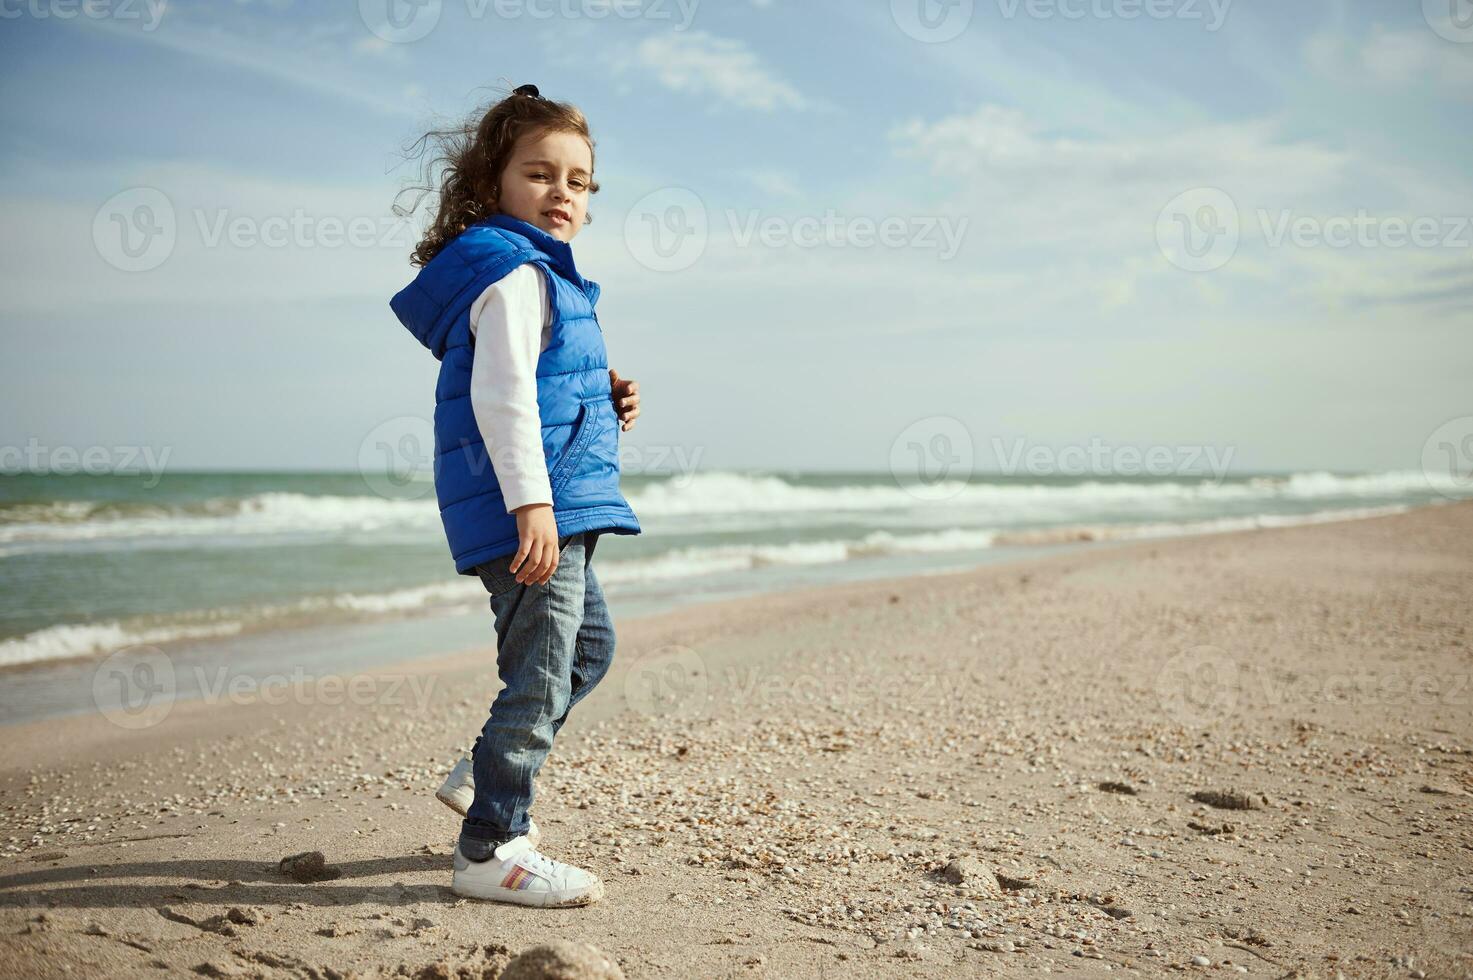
575, 182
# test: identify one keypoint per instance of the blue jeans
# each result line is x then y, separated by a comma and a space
554, 643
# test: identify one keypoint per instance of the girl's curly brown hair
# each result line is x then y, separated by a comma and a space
475, 153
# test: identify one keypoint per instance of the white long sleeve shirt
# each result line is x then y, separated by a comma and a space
512, 324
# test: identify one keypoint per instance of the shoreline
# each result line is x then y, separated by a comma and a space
755, 763
650, 590
44, 689
373, 644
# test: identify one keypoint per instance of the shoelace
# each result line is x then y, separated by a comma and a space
550, 866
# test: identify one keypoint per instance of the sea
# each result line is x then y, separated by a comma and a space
331, 572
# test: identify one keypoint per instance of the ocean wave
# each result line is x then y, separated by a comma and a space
67, 641
263, 513
736, 493
718, 496
465, 594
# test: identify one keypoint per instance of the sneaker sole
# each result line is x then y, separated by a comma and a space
546, 900
459, 802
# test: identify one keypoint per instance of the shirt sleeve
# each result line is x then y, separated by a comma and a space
508, 322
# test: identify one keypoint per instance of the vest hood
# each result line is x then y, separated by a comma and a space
448, 285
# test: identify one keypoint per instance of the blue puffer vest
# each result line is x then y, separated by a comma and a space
580, 429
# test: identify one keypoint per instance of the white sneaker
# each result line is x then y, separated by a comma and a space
521, 875
459, 789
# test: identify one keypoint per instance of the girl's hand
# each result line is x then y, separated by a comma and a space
626, 399
537, 553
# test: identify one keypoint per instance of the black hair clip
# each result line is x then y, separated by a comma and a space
528, 90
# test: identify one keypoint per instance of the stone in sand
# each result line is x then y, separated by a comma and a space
1112, 786
1225, 799
307, 867
562, 960
969, 871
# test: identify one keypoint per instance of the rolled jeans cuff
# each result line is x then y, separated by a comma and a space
482, 831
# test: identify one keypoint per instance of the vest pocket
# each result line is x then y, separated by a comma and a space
583, 427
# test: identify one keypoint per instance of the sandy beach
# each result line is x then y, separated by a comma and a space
1237, 753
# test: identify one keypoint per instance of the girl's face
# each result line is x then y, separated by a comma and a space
545, 183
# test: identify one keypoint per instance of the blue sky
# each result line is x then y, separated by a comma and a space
1067, 146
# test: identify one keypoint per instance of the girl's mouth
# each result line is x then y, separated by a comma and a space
558, 217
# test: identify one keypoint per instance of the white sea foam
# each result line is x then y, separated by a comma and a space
80, 640
978, 518
259, 514
736, 493
716, 496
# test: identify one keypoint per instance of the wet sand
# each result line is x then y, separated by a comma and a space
1235, 753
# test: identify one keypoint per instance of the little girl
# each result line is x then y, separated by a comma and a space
527, 422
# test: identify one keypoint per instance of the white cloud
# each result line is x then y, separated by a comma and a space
1052, 201
304, 69
699, 63
772, 182
1396, 59
239, 239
